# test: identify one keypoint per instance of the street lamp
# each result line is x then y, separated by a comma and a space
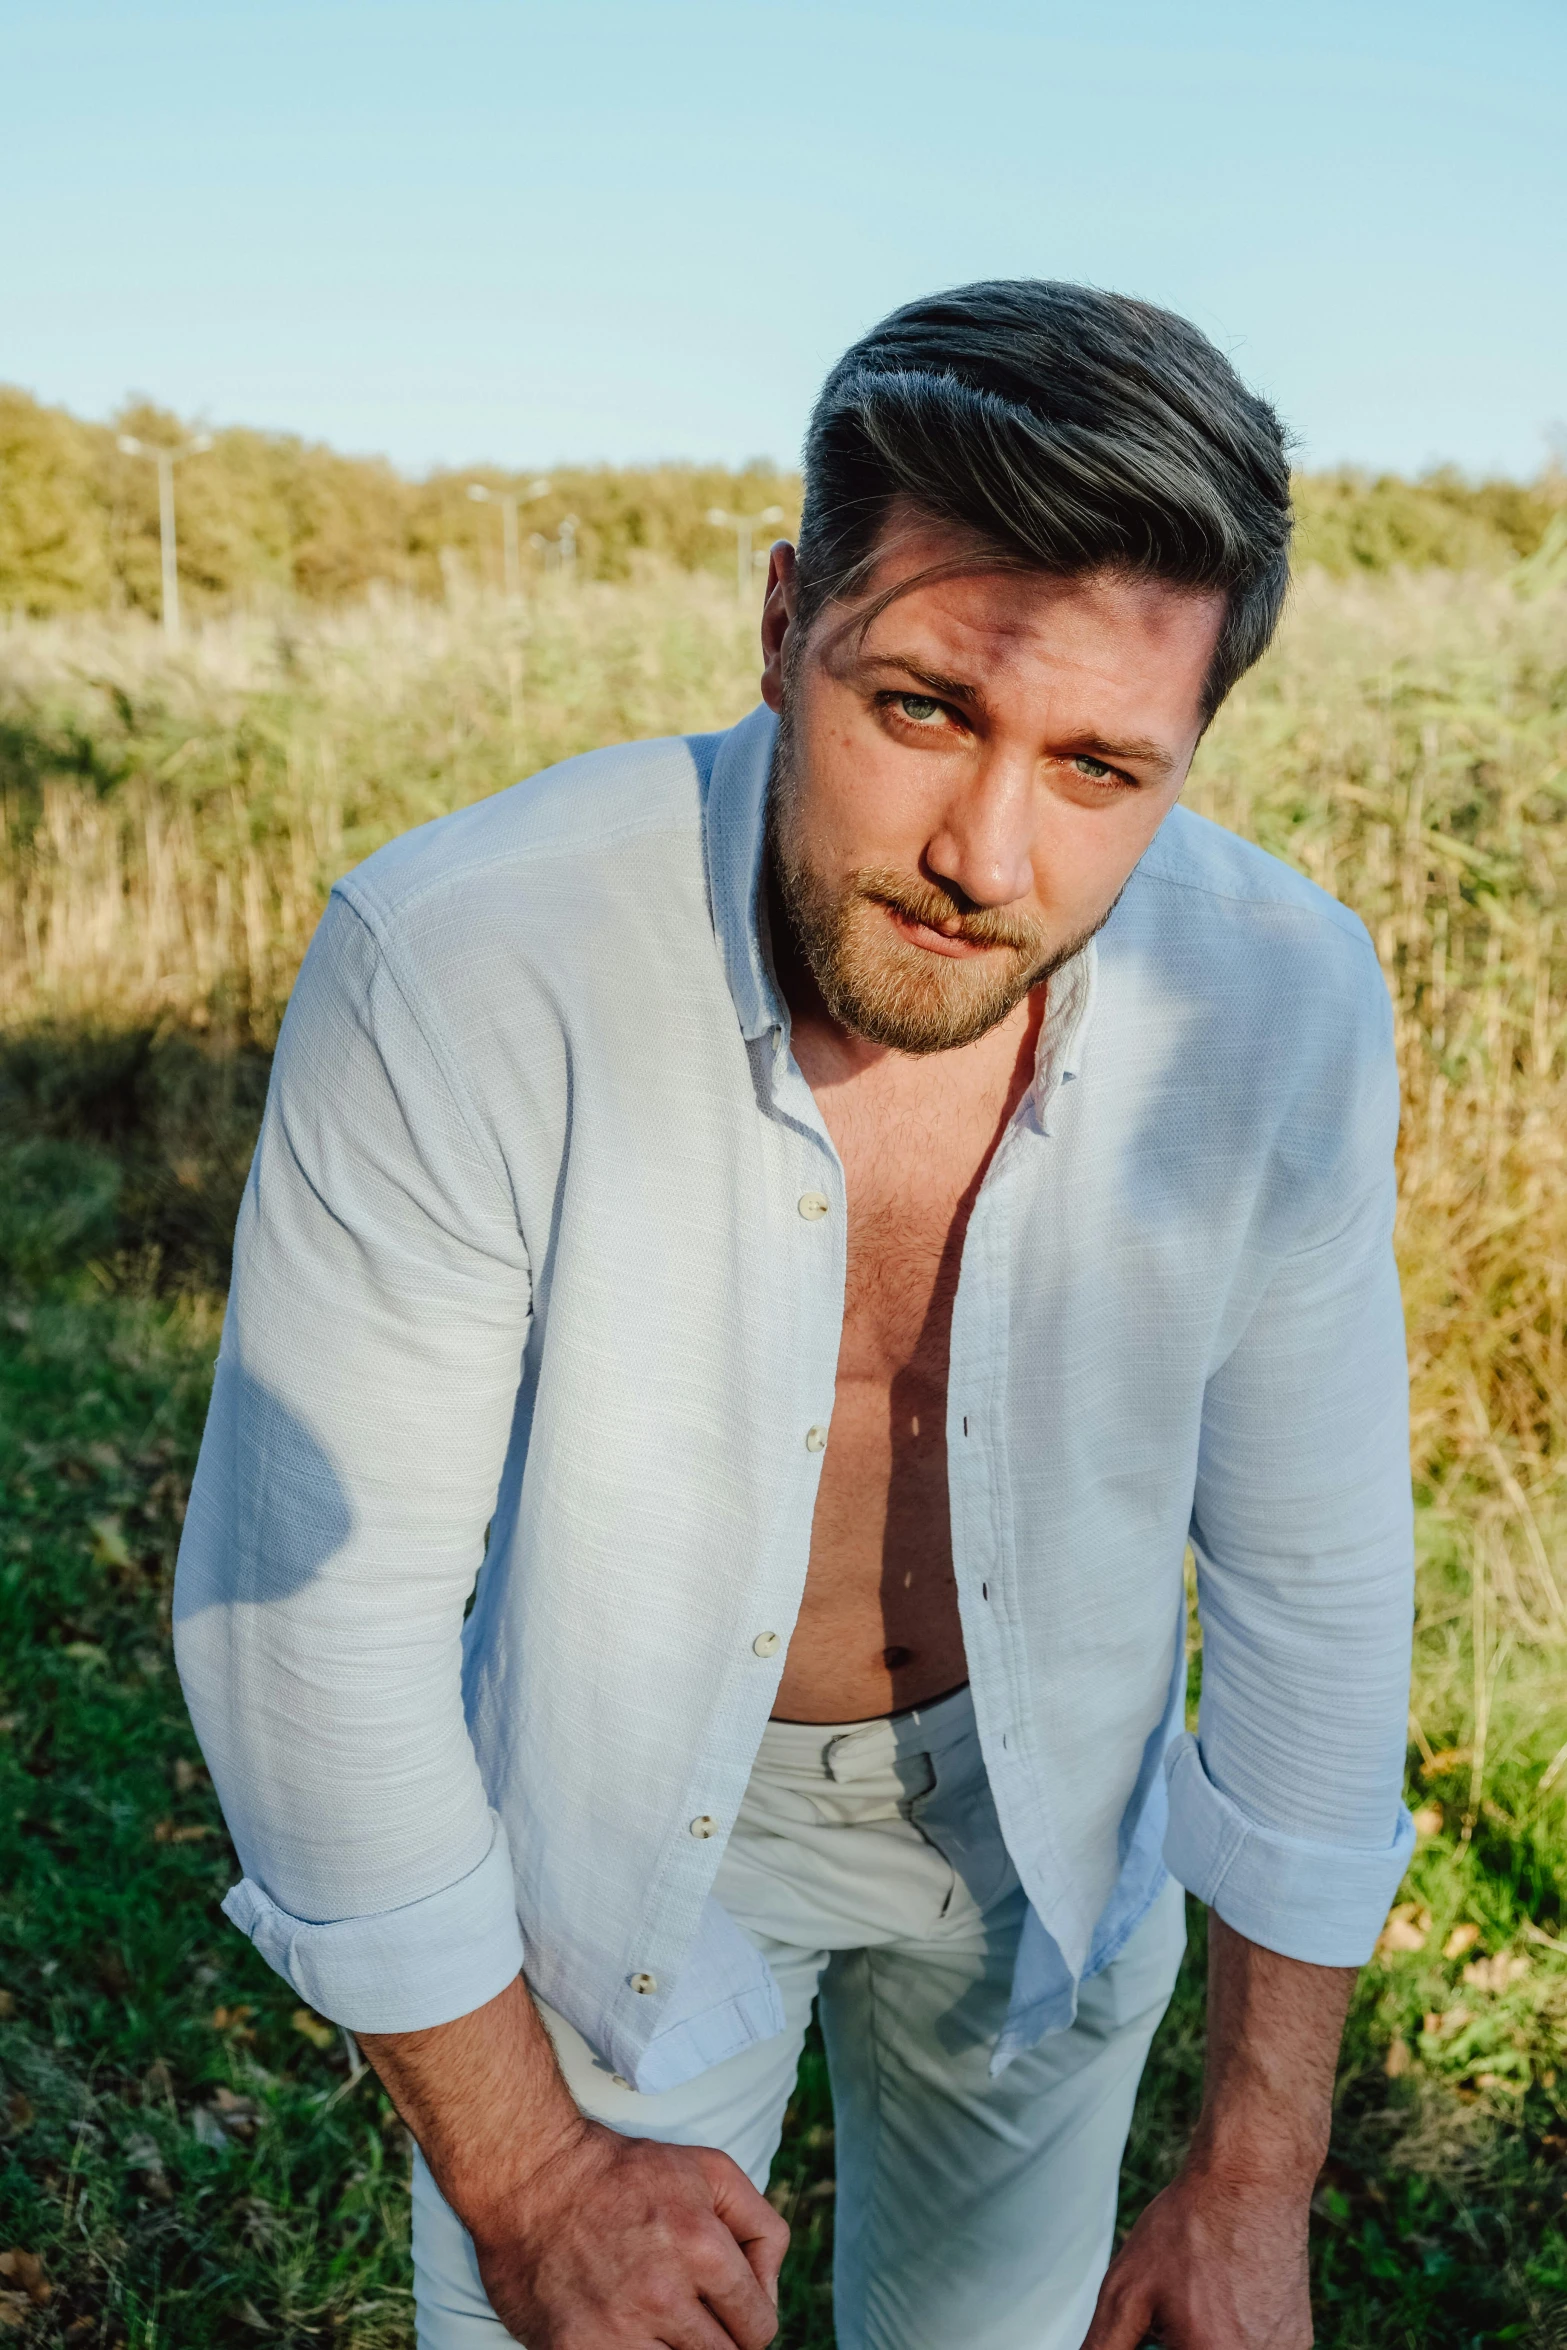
166, 460
743, 525
562, 549
508, 502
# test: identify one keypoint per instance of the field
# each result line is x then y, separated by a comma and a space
190, 2158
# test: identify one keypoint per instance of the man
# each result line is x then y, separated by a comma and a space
813, 1220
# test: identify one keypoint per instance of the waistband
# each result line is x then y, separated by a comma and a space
838, 1750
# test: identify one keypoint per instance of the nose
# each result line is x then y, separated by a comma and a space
983, 843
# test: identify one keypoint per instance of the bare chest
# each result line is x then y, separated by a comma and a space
905, 1253
912, 1174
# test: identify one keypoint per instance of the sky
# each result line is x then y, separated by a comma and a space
544, 231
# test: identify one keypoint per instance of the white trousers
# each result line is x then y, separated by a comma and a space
972, 2213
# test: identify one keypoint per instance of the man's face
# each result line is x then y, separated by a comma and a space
963, 786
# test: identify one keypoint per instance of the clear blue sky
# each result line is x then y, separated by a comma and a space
538, 230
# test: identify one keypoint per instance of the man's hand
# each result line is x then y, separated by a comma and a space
1209, 2266
623, 2244
586, 2240
1218, 2261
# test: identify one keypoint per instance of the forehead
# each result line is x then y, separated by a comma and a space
940, 594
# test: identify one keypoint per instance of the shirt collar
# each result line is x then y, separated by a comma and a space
734, 822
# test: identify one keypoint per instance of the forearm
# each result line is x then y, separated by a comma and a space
1218, 2261
581, 2235
484, 2097
1274, 2027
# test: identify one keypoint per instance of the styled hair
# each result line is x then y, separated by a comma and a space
1075, 431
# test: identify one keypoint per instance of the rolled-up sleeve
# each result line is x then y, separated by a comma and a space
1285, 1809
361, 1411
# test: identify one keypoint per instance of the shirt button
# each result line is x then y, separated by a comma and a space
644, 1982
620, 2081
816, 1440
704, 1827
812, 1206
765, 1644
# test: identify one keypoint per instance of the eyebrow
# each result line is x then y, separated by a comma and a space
1089, 746
951, 689
1138, 747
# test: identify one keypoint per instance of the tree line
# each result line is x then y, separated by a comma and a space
266, 517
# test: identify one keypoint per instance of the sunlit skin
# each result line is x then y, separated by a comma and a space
1009, 744
994, 748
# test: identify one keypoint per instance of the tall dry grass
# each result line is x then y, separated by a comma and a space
170, 823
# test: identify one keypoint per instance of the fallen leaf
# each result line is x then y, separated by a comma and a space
26, 2270
109, 1547
235, 2116
1406, 1929
249, 2315
1495, 1974
315, 2028
1428, 1820
19, 2110
14, 2311
7, 2003
1461, 1938
229, 2019
166, 1833
1399, 2059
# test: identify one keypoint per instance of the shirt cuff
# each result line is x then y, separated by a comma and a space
1324, 1903
400, 1970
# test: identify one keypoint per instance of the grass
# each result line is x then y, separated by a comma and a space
190, 2158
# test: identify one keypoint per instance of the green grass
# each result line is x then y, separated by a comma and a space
193, 2159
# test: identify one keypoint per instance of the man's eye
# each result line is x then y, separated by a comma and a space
1095, 768
919, 708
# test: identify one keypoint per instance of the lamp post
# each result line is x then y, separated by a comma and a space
562, 549
166, 460
508, 502
743, 525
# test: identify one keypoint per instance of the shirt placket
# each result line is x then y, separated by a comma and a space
805, 1240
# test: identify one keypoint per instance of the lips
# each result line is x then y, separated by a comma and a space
936, 942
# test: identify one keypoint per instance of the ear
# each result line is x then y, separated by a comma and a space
777, 620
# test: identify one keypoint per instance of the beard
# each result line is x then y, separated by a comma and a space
882, 986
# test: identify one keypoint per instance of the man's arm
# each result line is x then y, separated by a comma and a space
1218, 2261
1285, 1815
586, 2240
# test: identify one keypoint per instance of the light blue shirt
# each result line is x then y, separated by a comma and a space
523, 1291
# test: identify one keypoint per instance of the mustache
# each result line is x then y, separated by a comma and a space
919, 900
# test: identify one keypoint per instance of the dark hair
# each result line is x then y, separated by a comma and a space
1075, 430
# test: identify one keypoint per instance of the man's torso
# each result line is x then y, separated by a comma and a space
879, 1626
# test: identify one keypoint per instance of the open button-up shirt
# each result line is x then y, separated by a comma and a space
534, 1286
